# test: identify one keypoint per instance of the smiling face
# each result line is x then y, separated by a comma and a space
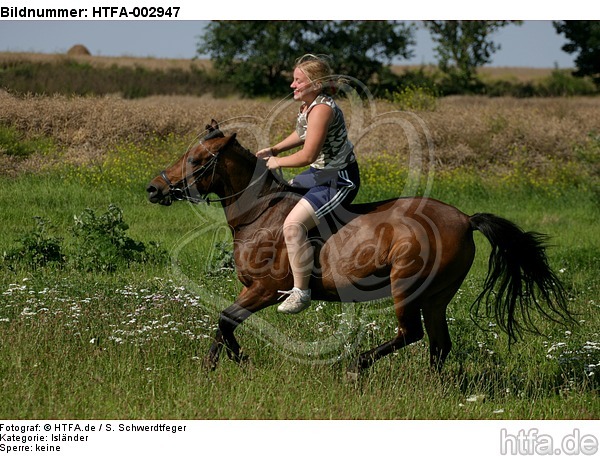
304, 89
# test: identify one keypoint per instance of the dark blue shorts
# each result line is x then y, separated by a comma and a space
329, 189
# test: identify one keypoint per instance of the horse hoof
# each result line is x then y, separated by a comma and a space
352, 376
242, 358
244, 361
209, 364
247, 364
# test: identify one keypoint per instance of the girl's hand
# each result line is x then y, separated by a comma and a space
265, 153
273, 163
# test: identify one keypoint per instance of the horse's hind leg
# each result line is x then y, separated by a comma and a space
409, 330
436, 324
439, 336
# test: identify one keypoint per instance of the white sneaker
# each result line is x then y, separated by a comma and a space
296, 302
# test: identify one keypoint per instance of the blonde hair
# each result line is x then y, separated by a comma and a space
315, 67
318, 71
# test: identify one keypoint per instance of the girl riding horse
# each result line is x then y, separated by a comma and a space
332, 179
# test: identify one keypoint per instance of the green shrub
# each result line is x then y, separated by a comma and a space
222, 259
589, 152
560, 83
563, 83
37, 247
414, 98
70, 77
128, 164
103, 244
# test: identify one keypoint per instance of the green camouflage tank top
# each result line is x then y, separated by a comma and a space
337, 150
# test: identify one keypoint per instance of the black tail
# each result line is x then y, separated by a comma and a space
518, 278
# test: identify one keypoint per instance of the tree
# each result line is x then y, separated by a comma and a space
584, 38
463, 47
257, 56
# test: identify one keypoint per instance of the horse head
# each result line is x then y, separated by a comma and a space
194, 174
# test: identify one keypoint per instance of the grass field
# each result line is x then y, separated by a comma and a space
128, 343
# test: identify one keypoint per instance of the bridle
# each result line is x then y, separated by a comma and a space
186, 183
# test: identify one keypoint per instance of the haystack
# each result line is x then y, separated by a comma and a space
78, 49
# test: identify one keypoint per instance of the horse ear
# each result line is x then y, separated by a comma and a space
214, 125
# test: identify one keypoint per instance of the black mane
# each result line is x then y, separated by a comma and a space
213, 133
280, 185
250, 158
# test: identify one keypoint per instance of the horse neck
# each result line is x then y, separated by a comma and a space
249, 190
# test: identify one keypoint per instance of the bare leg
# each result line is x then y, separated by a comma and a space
298, 223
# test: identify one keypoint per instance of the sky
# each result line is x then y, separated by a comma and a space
533, 44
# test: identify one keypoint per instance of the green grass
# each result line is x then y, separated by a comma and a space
13, 144
129, 344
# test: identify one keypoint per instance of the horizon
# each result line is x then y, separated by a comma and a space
535, 44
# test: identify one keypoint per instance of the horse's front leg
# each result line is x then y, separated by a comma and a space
252, 299
212, 359
229, 320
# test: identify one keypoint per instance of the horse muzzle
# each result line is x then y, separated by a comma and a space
158, 194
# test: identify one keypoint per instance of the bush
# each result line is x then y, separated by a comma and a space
560, 83
223, 260
37, 247
563, 83
414, 98
103, 244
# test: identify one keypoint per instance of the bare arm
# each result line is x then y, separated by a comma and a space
319, 120
293, 140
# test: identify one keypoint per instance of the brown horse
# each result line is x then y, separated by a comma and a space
418, 250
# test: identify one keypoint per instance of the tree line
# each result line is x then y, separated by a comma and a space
255, 57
